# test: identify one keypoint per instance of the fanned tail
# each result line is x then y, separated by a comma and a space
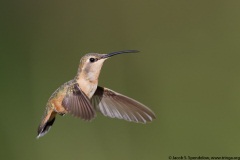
47, 121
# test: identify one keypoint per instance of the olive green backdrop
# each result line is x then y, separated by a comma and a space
187, 72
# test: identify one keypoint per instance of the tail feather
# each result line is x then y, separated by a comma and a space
46, 124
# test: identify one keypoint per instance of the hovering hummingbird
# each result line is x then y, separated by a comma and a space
82, 97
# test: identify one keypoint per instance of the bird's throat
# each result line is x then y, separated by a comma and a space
88, 83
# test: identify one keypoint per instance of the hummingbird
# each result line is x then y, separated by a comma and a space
81, 97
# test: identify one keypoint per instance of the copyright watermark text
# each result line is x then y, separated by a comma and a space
203, 157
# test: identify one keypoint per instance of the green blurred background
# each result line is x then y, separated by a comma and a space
187, 72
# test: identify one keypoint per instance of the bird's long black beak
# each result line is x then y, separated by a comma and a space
119, 52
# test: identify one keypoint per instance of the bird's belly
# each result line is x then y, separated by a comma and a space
57, 104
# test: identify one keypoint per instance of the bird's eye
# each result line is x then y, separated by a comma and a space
92, 60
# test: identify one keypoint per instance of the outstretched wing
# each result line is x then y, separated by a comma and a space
116, 105
78, 104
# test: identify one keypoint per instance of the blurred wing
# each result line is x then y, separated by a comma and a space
116, 105
78, 104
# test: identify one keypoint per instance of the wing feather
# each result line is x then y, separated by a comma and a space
78, 104
116, 105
